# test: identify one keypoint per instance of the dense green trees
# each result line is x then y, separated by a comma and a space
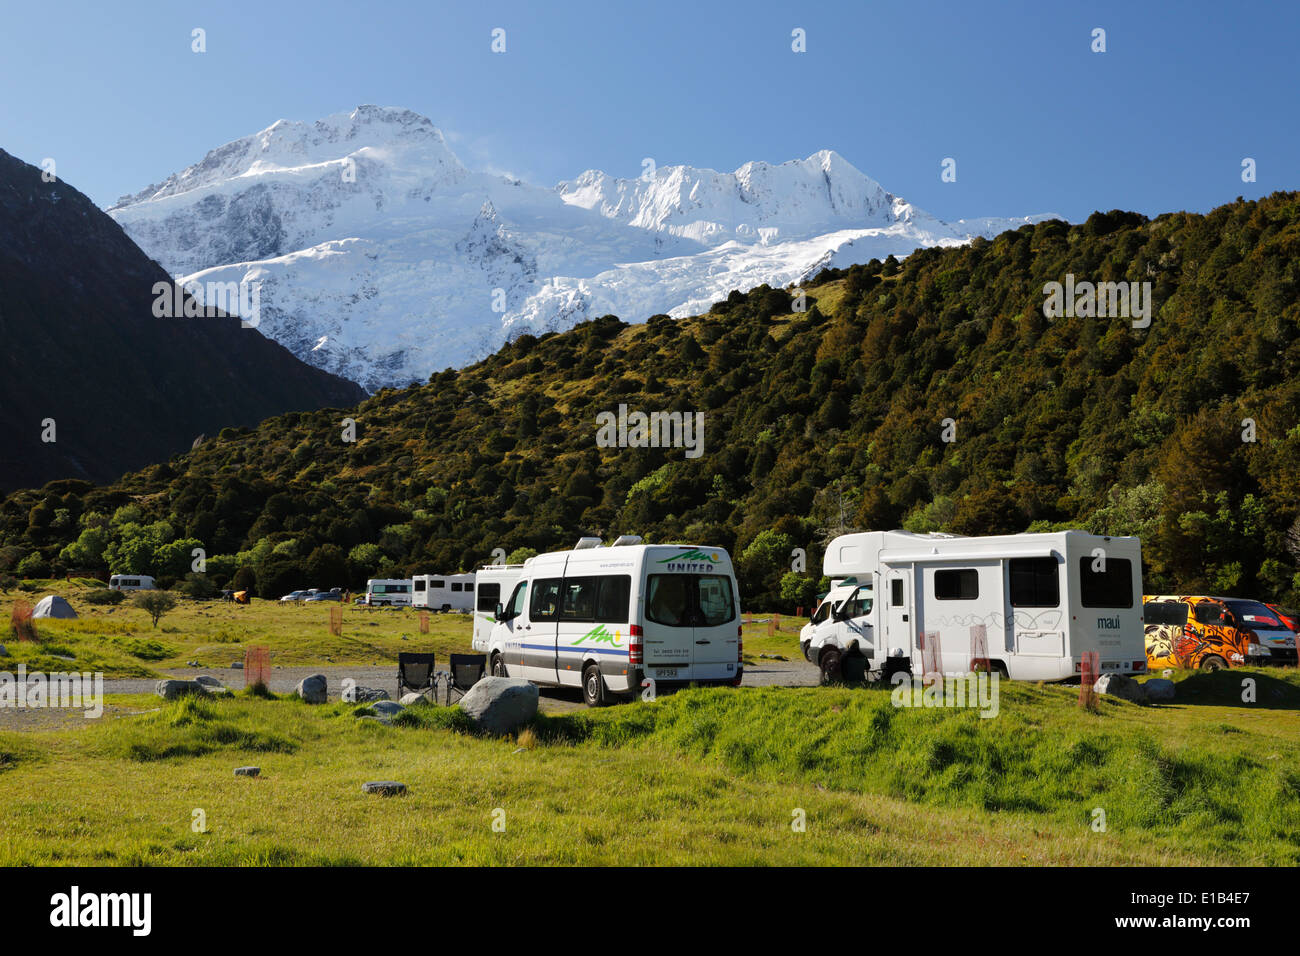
931, 393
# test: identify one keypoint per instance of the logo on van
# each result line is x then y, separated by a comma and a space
692, 560
1108, 623
598, 635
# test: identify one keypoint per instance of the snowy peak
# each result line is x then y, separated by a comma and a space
758, 202
293, 148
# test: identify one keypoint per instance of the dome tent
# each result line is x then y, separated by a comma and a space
53, 606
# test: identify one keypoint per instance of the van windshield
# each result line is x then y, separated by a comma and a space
690, 600
1256, 616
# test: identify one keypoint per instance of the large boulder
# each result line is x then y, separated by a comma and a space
174, 689
387, 708
365, 695
208, 681
1117, 685
313, 689
1159, 690
500, 705
414, 698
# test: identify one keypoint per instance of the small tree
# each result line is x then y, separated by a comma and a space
154, 603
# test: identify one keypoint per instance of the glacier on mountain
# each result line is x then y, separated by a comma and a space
383, 259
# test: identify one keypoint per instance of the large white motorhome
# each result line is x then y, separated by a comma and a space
1026, 605
391, 592
443, 592
604, 618
492, 585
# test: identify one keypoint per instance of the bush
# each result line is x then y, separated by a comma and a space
154, 603
33, 566
103, 596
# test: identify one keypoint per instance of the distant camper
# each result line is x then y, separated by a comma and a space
443, 592
130, 582
390, 592
492, 585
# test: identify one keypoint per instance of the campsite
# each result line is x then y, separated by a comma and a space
758, 774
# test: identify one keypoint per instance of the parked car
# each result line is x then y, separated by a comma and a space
325, 596
296, 596
1204, 632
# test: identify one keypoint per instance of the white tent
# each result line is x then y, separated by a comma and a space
53, 606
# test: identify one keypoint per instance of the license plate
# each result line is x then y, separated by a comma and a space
666, 672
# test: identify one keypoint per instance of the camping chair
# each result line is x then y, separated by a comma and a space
466, 671
416, 672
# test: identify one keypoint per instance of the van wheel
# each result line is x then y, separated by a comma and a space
593, 686
1213, 663
830, 663
498, 666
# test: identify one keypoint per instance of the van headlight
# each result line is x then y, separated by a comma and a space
1257, 650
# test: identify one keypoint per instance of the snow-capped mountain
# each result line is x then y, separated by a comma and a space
380, 257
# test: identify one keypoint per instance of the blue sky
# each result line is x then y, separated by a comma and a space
1036, 121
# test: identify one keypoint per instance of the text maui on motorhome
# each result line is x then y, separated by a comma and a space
208, 300
653, 430
1103, 300
73, 909
977, 689
39, 690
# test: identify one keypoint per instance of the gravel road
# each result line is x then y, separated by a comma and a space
792, 673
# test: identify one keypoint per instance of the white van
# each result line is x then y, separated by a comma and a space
492, 585
130, 582
393, 592
825, 607
443, 592
604, 618
1026, 605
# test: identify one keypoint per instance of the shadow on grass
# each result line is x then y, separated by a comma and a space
1225, 688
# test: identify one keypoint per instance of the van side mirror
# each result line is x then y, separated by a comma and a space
501, 612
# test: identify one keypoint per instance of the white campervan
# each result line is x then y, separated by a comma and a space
443, 592
492, 585
604, 618
130, 582
1027, 605
392, 592
831, 600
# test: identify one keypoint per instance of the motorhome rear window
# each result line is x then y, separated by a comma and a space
957, 584
1165, 612
686, 600
489, 595
419, 585
1034, 582
1111, 586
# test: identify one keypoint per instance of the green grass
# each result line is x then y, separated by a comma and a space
701, 776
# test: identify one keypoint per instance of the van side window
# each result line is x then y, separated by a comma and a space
957, 584
1035, 582
579, 599
437, 584
612, 599
488, 596
456, 585
1165, 612
1111, 587
545, 605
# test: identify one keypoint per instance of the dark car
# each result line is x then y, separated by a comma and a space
325, 596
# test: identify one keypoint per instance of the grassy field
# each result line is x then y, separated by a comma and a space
701, 776
122, 642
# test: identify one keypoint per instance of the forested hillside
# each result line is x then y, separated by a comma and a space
814, 420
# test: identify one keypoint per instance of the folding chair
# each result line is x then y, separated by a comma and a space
416, 672
466, 671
